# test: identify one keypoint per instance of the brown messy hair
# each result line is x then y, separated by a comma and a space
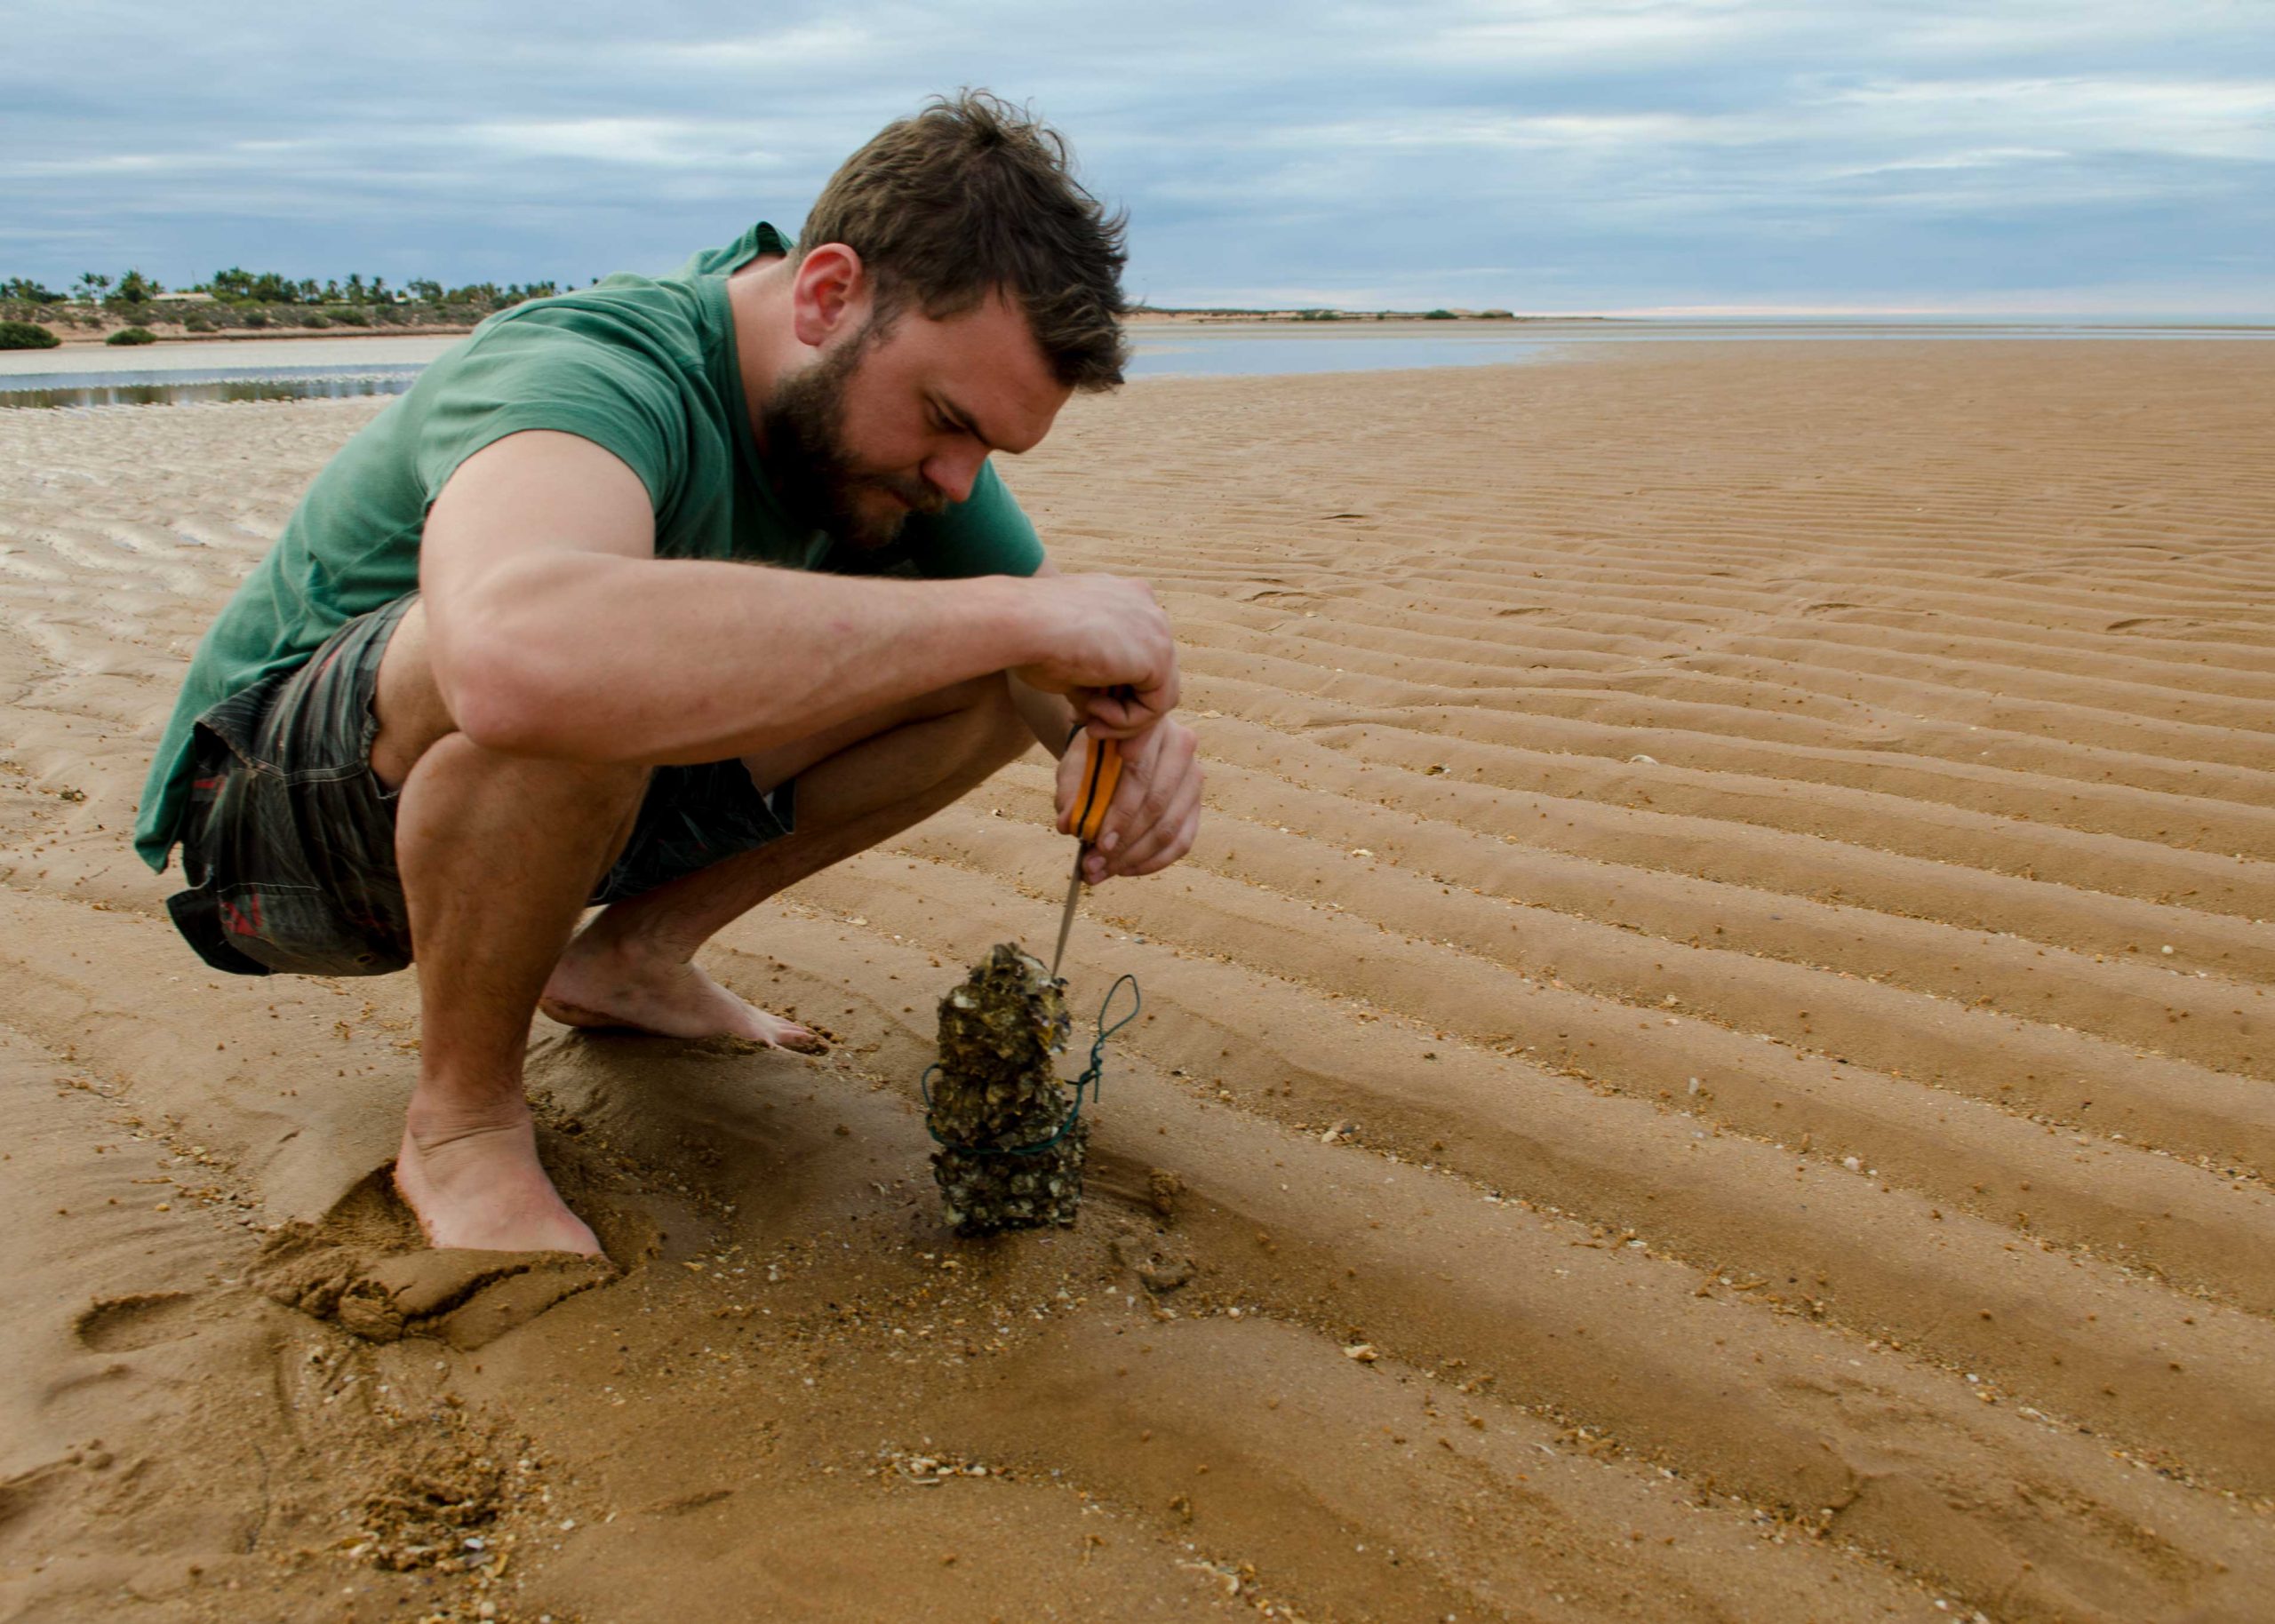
973, 194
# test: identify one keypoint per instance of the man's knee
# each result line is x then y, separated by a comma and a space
578, 812
412, 714
988, 733
596, 794
415, 719
1000, 734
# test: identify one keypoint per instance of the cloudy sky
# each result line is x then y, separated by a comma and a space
2009, 156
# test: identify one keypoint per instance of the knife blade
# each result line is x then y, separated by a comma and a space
1101, 771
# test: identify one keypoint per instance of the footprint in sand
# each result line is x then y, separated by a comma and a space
121, 1325
366, 1267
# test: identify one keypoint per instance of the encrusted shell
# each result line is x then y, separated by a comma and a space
997, 1089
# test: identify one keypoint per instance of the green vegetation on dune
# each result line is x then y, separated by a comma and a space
25, 336
238, 299
238, 286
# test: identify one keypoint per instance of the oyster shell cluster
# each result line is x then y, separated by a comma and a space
997, 1092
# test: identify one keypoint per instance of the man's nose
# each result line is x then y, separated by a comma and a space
952, 473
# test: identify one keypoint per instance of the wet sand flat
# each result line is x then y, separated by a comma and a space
1713, 1061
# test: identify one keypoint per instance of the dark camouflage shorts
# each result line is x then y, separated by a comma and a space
288, 844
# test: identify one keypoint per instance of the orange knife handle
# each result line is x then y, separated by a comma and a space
1101, 771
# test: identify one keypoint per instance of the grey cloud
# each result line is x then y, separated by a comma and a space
1537, 154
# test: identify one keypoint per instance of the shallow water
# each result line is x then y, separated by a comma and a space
173, 374
190, 388
239, 356
1254, 349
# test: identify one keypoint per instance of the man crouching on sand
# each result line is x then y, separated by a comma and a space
661, 596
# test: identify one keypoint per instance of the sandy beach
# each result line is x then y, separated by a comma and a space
1712, 1061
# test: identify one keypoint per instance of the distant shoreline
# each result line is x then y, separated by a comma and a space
1283, 325
98, 337
75, 337
173, 332
1147, 316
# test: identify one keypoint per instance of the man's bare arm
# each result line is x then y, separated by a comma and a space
555, 632
1051, 718
1156, 809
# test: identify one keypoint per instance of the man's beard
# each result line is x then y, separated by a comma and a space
815, 479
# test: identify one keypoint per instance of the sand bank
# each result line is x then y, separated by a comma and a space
1715, 1046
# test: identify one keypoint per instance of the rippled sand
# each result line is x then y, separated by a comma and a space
1715, 1048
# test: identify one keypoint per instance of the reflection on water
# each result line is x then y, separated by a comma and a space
184, 389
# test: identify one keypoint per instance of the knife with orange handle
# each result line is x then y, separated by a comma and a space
1101, 771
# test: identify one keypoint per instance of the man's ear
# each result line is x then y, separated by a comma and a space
830, 294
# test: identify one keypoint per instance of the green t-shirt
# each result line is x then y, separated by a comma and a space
643, 368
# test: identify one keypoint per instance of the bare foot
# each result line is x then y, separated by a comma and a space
606, 987
481, 1187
